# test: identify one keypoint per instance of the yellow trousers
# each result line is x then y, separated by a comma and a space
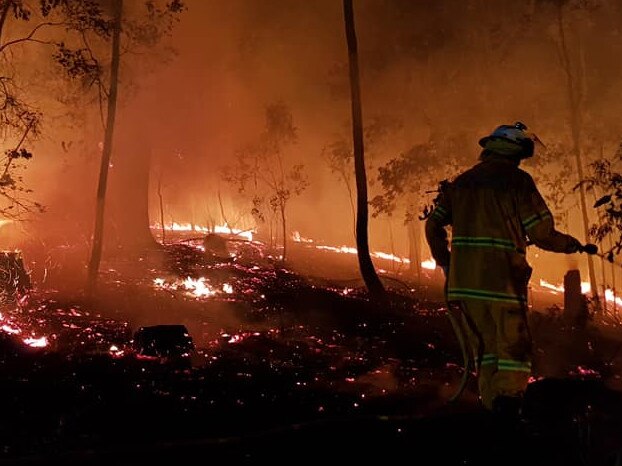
498, 333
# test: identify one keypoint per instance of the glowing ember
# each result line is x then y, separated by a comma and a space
115, 352
8, 329
36, 342
227, 288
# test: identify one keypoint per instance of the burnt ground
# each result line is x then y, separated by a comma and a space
288, 367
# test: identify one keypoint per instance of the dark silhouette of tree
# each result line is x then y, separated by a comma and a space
98, 232
366, 266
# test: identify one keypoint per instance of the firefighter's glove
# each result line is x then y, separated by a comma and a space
574, 245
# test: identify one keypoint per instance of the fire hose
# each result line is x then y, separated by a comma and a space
458, 319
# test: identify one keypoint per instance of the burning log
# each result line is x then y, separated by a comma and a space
14, 279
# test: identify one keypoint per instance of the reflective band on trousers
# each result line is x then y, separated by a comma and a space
513, 365
461, 293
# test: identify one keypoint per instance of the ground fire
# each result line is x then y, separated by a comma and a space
247, 231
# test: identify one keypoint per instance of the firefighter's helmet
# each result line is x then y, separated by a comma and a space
515, 134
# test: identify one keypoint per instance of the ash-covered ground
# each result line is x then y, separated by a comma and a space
288, 367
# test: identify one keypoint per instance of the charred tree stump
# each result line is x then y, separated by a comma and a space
575, 304
14, 279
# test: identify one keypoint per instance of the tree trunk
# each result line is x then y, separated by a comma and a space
284, 226
98, 235
373, 283
128, 195
574, 90
161, 201
352, 208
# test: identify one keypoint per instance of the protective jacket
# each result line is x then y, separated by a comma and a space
495, 210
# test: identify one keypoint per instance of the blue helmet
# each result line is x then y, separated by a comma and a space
515, 134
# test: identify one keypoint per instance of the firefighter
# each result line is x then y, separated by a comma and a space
494, 210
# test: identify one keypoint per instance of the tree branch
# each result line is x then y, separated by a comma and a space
29, 38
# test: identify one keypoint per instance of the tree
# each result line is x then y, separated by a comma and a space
261, 172
406, 181
98, 233
94, 30
20, 122
574, 72
606, 179
553, 171
366, 266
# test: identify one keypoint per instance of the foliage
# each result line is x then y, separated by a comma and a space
408, 179
92, 27
554, 173
605, 180
260, 171
339, 154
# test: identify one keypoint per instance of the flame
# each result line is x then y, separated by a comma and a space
426, 264
224, 229
550, 286
609, 296
198, 287
300, 239
429, 264
585, 288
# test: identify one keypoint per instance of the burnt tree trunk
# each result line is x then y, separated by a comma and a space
98, 234
575, 305
368, 272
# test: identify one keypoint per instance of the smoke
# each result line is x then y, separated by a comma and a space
444, 69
